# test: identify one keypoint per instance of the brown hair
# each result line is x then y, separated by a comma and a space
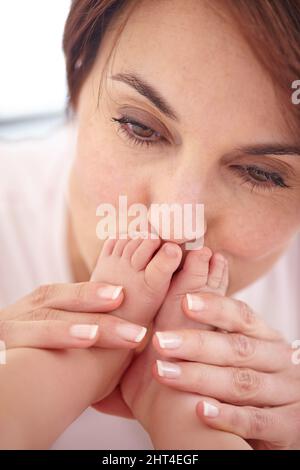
271, 27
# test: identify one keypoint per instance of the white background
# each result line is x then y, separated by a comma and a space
32, 69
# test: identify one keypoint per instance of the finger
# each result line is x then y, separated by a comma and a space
247, 422
238, 386
78, 297
216, 348
109, 332
227, 314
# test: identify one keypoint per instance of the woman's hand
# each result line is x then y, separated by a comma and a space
62, 316
245, 364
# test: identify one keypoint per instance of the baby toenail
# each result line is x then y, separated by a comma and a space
171, 250
195, 302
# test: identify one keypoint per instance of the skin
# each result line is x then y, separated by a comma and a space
224, 100
227, 104
221, 109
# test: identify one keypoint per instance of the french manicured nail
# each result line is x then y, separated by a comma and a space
168, 370
168, 340
210, 410
195, 302
84, 331
171, 250
109, 292
133, 333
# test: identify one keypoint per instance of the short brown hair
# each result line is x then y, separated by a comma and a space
271, 27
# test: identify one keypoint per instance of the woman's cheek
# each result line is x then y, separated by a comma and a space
105, 168
256, 235
96, 179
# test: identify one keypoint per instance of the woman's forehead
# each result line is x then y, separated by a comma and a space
199, 62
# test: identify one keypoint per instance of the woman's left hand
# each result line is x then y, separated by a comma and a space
249, 372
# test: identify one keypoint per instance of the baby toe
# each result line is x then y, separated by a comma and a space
131, 247
216, 271
160, 269
119, 247
225, 279
108, 247
194, 273
144, 252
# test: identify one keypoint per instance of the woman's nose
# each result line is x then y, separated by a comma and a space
177, 212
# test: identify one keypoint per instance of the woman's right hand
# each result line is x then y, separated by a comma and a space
62, 316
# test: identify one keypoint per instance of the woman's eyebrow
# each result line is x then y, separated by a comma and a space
147, 90
269, 149
153, 95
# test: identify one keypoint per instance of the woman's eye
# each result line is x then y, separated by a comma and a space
259, 178
141, 134
138, 132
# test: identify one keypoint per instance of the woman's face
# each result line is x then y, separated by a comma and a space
220, 150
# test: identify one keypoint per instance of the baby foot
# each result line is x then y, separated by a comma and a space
202, 271
144, 268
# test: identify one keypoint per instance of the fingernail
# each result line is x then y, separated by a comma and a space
109, 292
171, 250
168, 340
168, 369
210, 410
195, 302
84, 331
130, 332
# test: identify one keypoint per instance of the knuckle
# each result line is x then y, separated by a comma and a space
220, 310
80, 294
259, 421
45, 313
246, 314
236, 421
243, 347
246, 383
42, 294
